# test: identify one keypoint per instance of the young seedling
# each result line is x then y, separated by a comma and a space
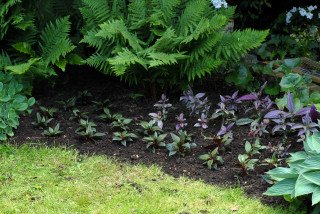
181, 144
246, 164
226, 114
212, 159
305, 128
163, 105
197, 104
149, 127
155, 141
83, 96
202, 122
48, 112
223, 138
101, 105
87, 130
181, 122
124, 137
69, 103
52, 132
41, 121
157, 118
78, 115
121, 124
107, 116
253, 149
273, 161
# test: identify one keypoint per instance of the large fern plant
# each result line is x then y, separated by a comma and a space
32, 39
162, 41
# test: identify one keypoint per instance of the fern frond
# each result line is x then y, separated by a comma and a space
234, 45
163, 12
167, 41
202, 67
54, 40
137, 16
99, 62
160, 59
95, 12
21, 68
124, 60
113, 28
191, 16
4, 60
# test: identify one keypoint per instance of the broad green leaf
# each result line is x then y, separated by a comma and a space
313, 177
23, 47
303, 186
283, 187
22, 68
316, 196
61, 64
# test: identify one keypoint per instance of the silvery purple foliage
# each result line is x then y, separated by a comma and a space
163, 105
225, 129
181, 122
157, 118
258, 128
202, 122
280, 118
305, 128
230, 101
197, 104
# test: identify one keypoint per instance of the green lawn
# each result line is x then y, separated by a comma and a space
43, 180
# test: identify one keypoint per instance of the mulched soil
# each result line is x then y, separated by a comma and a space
122, 102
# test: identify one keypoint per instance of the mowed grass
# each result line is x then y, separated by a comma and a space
55, 180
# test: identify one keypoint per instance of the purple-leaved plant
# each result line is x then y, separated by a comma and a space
230, 102
258, 128
313, 113
197, 104
157, 118
181, 122
305, 128
163, 105
225, 129
226, 114
202, 122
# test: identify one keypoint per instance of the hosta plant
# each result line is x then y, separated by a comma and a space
124, 137
301, 177
52, 132
41, 121
212, 159
13, 103
155, 141
164, 42
182, 144
149, 127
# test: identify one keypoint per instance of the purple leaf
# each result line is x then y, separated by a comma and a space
314, 114
273, 114
248, 97
200, 95
234, 95
303, 111
290, 103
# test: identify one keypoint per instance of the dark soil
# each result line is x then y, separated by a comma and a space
122, 102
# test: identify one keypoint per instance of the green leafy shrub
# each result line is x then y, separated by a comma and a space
301, 177
13, 103
162, 41
124, 137
182, 144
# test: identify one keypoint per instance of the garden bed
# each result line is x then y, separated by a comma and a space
122, 101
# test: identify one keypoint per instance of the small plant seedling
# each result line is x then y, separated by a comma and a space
107, 116
52, 132
87, 130
155, 141
83, 96
149, 127
101, 105
273, 161
124, 137
41, 121
48, 112
253, 149
78, 115
163, 105
181, 122
69, 103
220, 141
246, 163
212, 159
121, 124
181, 143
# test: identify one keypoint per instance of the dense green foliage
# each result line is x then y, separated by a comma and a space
34, 37
13, 103
302, 176
162, 41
